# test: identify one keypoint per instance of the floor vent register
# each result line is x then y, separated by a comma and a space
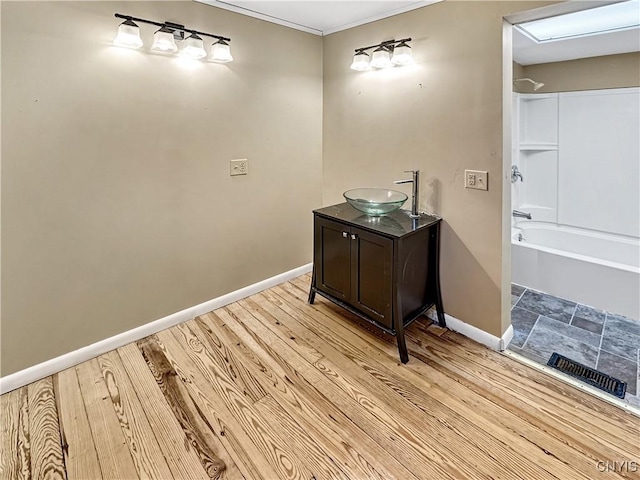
588, 375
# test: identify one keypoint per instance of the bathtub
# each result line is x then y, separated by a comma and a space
596, 269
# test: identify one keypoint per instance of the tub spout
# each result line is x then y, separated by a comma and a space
519, 214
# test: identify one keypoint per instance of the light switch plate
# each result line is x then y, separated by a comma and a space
239, 167
477, 179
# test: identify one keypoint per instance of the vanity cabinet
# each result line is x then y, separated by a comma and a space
383, 269
355, 266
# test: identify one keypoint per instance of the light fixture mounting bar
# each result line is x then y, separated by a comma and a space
387, 43
173, 26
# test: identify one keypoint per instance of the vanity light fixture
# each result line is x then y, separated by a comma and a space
128, 35
402, 54
220, 52
386, 54
193, 47
361, 61
164, 39
381, 58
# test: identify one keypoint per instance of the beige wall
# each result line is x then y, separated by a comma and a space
117, 205
442, 115
609, 71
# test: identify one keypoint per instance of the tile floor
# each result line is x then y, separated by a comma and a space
544, 324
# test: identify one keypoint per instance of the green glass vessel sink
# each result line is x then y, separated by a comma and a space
375, 201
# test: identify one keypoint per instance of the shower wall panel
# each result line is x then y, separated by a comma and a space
579, 154
599, 162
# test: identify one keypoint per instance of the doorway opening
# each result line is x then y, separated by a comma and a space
572, 202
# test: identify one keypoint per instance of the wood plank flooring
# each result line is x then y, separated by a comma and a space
273, 388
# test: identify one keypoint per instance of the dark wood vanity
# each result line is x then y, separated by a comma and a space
383, 269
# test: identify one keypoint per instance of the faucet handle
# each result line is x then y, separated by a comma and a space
412, 171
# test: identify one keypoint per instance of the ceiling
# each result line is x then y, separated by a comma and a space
320, 17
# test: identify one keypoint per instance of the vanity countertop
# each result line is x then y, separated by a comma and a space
395, 224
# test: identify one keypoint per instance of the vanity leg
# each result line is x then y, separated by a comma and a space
402, 346
399, 325
440, 312
439, 308
312, 288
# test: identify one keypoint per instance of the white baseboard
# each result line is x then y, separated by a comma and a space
506, 338
55, 365
474, 333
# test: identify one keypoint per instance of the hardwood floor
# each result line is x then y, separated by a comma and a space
273, 388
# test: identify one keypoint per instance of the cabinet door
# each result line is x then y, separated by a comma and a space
332, 253
372, 275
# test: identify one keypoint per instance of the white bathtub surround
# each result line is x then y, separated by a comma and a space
579, 154
599, 162
596, 269
536, 154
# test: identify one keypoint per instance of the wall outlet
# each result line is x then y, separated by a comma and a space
477, 179
239, 167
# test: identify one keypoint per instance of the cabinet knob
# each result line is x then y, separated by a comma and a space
344, 234
353, 236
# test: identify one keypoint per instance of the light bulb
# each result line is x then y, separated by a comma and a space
402, 55
164, 41
381, 58
128, 35
220, 52
360, 61
193, 47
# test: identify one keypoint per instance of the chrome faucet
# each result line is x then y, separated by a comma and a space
515, 174
519, 214
414, 194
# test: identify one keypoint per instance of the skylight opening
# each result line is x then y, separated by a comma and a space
610, 18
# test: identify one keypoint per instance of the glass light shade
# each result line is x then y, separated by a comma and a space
128, 35
193, 47
220, 52
164, 41
360, 61
402, 55
381, 58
